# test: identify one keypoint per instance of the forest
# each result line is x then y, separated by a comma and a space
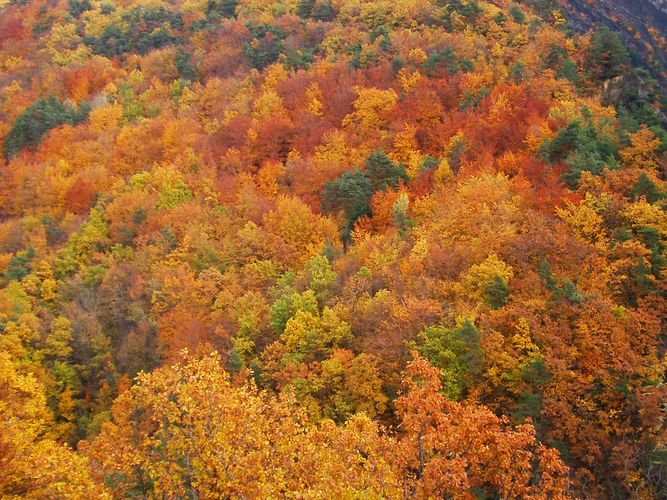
324, 249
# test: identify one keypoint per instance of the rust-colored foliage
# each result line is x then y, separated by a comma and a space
317, 191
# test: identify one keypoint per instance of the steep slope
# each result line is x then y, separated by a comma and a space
328, 248
660, 5
642, 24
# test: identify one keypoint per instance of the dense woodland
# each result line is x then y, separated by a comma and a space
328, 249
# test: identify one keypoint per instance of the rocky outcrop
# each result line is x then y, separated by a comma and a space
641, 23
660, 5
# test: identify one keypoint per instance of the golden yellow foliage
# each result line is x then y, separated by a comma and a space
642, 153
371, 108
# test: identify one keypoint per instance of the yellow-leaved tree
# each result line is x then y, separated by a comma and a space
32, 463
187, 431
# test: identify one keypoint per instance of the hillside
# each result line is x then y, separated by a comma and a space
641, 23
332, 249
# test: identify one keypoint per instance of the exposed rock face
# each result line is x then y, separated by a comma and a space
614, 90
660, 5
642, 24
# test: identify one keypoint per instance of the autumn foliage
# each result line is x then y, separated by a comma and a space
328, 249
